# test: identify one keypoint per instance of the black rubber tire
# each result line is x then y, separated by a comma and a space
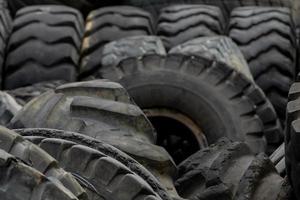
83, 5
266, 37
181, 23
292, 138
154, 6
8, 108
44, 45
233, 164
37, 158
21, 182
36, 134
208, 78
25, 94
278, 159
223, 49
5, 30
108, 24
106, 177
103, 110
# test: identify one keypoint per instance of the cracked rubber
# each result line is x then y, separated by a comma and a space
234, 165
37, 158
180, 23
44, 46
108, 24
266, 36
21, 182
223, 49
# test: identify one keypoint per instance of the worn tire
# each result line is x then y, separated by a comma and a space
154, 6
108, 24
181, 23
233, 164
103, 110
266, 37
225, 50
25, 94
44, 46
105, 177
8, 108
5, 30
37, 134
37, 158
292, 138
21, 182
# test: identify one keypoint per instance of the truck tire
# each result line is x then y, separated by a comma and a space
103, 110
108, 24
21, 182
106, 177
233, 164
181, 23
37, 158
292, 139
225, 50
278, 159
38, 134
266, 37
44, 46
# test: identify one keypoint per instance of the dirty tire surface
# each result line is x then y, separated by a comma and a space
44, 45
266, 37
108, 24
223, 49
21, 182
181, 23
106, 177
37, 158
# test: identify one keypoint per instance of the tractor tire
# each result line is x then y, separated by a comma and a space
278, 159
181, 23
105, 177
266, 37
37, 158
103, 110
234, 165
21, 182
225, 50
8, 108
197, 86
37, 135
44, 45
292, 139
108, 24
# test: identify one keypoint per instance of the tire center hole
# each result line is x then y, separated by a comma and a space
177, 133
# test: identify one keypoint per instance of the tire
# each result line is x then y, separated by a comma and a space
152, 81
5, 30
83, 5
234, 165
181, 23
44, 46
107, 178
25, 94
225, 50
266, 38
292, 139
37, 158
154, 6
37, 135
21, 182
8, 108
108, 24
278, 159
103, 110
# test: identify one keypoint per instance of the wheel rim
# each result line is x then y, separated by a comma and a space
177, 133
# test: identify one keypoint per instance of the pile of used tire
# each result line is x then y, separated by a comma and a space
144, 100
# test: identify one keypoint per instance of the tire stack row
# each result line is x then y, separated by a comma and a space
90, 140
